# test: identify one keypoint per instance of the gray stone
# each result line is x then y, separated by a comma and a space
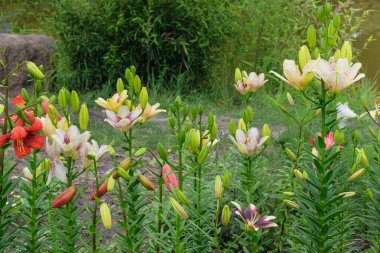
19, 48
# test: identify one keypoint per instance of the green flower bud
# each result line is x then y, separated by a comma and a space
249, 114
146, 182
140, 152
179, 209
356, 175
34, 70
218, 187
346, 51
320, 14
346, 194
181, 197
83, 117
290, 194
37, 87
291, 203
361, 158
110, 184
238, 75
74, 101
355, 137
53, 114
226, 179
62, 101
162, 152
105, 215
290, 154
369, 194
119, 85
226, 215
299, 174
203, 155
111, 150
123, 173
143, 97
303, 56
337, 20
328, 9
25, 94
311, 36
266, 132
232, 127
339, 137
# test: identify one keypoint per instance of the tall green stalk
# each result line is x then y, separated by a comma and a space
95, 209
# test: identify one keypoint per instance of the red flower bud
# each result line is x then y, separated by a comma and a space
102, 190
65, 197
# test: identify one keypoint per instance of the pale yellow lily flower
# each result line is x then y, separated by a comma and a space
113, 103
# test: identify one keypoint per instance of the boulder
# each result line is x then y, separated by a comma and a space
19, 48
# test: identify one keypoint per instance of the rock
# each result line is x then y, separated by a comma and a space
19, 48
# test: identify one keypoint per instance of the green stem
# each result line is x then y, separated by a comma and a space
33, 223
216, 236
94, 216
249, 179
159, 215
71, 222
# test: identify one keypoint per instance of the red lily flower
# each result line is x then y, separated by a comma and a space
18, 100
329, 139
170, 179
24, 139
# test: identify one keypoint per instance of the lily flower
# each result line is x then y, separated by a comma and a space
170, 179
124, 119
206, 140
49, 128
293, 75
93, 148
150, 112
71, 141
329, 139
56, 169
252, 219
248, 143
344, 114
24, 139
338, 75
114, 103
250, 83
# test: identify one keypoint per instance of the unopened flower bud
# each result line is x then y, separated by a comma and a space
355, 137
311, 36
218, 187
65, 197
105, 214
298, 174
315, 152
126, 163
111, 150
266, 132
303, 56
62, 100
241, 125
356, 175
202, 155
162, 152
291, 203
248, 114
119, 85
238, 75
226, 179
110, 184
140, 152
289, 194
74, 101
361, 158
369, 194
137, 85
339, 137
181, 197
83, 117
346, 51
226, 215
146, 183
290, 154
34, 70
143, 97
101, 191
24, 94
53, 114
179, 209
232, 127
123, 173
290, 99
346, 194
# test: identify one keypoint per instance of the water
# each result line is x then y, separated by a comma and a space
370, 57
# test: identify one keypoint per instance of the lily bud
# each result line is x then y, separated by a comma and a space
291, 203
361, 158
24, 94
105, 214
126, 163
298, 174
290, 99
290, 194
162, 152
304, 56
192, 140
146, 183
266, 132
238, 75
248, 114
339, 137
179, 209
101, 191
311, 36
140, 152
34, 70
346, 51
218, 187
369, 194
355, 137
83, 117
356, 175
122, 173
337, 20
226, 215
111, 150
226, 179
74, 101
62, 100
137, 84
232, 127
143, 97
315, 152
53, 114
290, 154
241, 125
65, 197
110, 184
202, 155
346, 194
119, 85
181, 197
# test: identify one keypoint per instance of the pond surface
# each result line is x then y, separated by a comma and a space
370, 57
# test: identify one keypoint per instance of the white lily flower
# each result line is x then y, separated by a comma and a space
338, 75
250, 83
113, 103
48, 127
150, 111
250, 142
72, 141
293, 75
94, 149
344, 114
124, 119
57, 169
